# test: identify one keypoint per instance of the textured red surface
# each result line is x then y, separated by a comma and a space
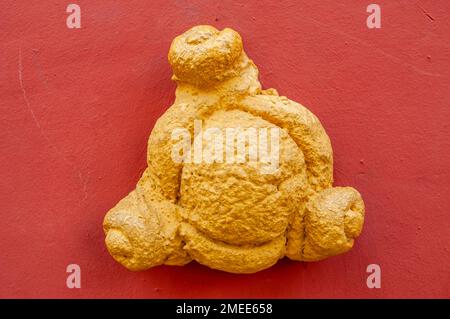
77, 107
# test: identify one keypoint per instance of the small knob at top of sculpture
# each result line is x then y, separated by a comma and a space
204, 54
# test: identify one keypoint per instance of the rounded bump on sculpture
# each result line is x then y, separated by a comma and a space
204, 55
354, 218
118, 244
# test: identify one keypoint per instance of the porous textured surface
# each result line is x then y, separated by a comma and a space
232, 217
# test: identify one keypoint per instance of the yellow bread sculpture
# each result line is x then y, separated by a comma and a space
232, 216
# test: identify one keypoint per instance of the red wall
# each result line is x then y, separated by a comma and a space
77, 106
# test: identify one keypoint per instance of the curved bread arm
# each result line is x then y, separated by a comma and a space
333, 219
142, 230
304, 128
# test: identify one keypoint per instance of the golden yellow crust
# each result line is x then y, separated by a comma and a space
203, 55
232, 216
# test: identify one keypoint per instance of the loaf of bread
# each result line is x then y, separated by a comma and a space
233, 202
